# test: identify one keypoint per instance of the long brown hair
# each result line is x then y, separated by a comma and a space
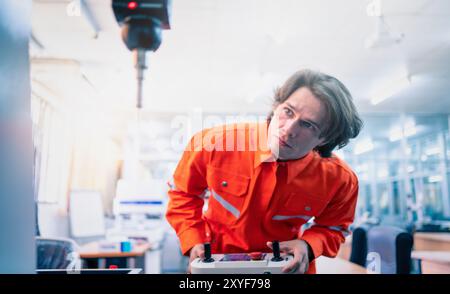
343, 121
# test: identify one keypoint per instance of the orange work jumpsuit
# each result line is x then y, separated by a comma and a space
252, 200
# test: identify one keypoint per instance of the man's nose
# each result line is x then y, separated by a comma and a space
288, 129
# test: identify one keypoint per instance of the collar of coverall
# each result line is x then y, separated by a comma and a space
294, 167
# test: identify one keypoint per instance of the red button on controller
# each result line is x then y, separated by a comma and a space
256, 255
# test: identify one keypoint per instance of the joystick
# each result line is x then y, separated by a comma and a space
208, 257
276, 251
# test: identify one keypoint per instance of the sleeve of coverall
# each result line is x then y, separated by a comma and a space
331, 226
184, 212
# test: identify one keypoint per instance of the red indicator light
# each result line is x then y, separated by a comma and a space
132, 5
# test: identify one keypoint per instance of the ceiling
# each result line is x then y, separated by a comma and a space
228, 56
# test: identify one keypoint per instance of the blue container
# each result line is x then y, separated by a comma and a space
125, 246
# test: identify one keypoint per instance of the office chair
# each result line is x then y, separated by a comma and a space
393, 247
56, 253
358, 253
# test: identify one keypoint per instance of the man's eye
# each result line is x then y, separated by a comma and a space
306, 124
288, 111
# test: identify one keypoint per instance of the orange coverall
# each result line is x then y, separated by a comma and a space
253, 200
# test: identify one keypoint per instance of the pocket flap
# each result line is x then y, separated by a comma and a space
304, 205
223, 181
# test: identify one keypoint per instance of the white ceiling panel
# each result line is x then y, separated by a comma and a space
228, 56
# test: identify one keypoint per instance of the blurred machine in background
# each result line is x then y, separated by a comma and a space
138, 209
139, 205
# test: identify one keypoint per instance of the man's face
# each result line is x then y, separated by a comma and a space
296, 125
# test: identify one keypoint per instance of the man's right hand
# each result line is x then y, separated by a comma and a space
196, 251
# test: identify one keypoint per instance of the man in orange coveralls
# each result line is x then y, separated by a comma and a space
266, 180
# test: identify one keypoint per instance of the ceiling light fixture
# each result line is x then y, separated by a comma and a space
383, 35
390, 90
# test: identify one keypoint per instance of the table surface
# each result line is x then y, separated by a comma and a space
432, 241
92, 250
326, 265
435, 256
443, 237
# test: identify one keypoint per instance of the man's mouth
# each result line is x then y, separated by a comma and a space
283, 143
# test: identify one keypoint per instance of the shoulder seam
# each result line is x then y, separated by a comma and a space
344, 167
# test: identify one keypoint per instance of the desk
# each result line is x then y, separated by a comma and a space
433, 262
326, 265
432, 241
433, 252
97, 258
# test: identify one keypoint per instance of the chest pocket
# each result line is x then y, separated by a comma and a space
228, 191
299, 208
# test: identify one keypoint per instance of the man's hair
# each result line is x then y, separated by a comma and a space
342, 119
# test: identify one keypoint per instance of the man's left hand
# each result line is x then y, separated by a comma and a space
298, 248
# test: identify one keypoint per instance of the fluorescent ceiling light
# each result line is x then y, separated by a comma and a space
390, 90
